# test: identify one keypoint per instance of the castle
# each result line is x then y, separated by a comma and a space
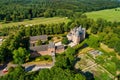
76, 35
46, 49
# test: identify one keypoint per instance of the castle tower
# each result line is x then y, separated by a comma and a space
51, 47
84, 31
76, 37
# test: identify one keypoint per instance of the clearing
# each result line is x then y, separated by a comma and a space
36, 21
108, 14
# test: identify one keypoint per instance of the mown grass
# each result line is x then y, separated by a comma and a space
108, 14
36, 21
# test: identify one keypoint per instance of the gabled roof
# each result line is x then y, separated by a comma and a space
39, 48
51, 45
41, 37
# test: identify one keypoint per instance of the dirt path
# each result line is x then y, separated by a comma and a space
89, 67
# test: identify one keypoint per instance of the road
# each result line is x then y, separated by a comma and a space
29, 67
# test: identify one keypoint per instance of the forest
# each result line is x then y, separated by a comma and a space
18, 10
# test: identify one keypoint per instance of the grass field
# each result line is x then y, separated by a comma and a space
108, 14
37, 21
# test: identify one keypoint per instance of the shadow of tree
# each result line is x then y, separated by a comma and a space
29, 68
89, 76
76, 60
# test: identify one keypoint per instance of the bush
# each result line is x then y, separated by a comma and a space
44, 58
93, 42
65, 40
10, 69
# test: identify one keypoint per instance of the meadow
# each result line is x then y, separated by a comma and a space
36, 21
108, 14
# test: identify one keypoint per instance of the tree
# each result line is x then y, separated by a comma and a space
65, 40
93, 41
48, 13
79, 77
1, 54
117, 47
39, 42
21, 55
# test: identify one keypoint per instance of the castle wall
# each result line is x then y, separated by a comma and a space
60, 50
76, 39
51, 50
33, 43
40, 53
45, 52
69, 37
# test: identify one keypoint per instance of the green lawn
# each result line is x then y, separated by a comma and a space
108, 14
37, 21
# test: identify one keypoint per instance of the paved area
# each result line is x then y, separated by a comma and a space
29, 67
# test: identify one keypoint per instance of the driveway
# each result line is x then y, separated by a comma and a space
28, 67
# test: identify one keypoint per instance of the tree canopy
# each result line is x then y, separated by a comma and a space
21, 55
17, 10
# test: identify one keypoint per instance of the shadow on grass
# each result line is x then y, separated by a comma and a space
88, 75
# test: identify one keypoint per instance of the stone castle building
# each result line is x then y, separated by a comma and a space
76, 35
47, 49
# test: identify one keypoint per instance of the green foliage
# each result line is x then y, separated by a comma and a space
93, 41
44, 58
79, 46
65, 40
66, 60
117, 47
19, 10
104, 76
10, 69
58, 74
21, 55
111, 67
39, 42
70, 51
18, 73
109, 61
107, 14
79, 77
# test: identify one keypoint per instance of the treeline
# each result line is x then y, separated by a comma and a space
37, 29
17, 10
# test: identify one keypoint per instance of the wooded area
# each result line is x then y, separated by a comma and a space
17, 10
